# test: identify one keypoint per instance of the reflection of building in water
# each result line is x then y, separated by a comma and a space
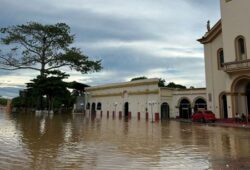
143, 99
77, 142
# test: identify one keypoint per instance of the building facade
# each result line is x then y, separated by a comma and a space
227, 62
227, 69
143, 99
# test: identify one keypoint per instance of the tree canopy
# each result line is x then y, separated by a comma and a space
173, 85
46, 49
43, 48
139, 78
162, 83
49, 86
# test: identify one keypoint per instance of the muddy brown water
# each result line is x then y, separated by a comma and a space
65, 141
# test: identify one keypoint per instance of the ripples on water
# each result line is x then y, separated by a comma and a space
76, 142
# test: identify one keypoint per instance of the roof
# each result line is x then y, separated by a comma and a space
77, 85
212, 34
125, 84
178, 89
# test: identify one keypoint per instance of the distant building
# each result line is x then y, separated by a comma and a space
227, 60
143, 99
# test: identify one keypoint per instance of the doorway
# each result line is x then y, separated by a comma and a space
165, 111
126, 109
185, 109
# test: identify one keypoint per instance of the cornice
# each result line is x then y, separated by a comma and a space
132, 93
115, 86
212, 34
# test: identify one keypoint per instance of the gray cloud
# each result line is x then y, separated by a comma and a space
9, 92
144, 37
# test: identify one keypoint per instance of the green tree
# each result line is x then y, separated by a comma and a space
173, 85
3, 101
43, 48
161, 83
51, 87
139, 78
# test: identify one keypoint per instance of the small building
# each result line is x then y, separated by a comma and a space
143, 99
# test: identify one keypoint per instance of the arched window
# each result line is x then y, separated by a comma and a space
248, 97
200, 104
220, 58
185, 111
240, 47
88, 106
99, 106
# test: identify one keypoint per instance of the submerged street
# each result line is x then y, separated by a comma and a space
28, 141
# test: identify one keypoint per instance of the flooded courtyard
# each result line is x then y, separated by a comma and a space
28, 141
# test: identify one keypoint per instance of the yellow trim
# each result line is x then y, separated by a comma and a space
165, 96
132, 93
183, 94
106, 95
144, 92
121, 86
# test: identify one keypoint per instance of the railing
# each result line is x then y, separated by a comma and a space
236, 66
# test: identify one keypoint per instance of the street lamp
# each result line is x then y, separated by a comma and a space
115, 105
151, 104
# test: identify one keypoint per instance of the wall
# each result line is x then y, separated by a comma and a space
190, 94
138, 94
235, 21
216, 79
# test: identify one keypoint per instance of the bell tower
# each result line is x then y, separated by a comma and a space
235, 16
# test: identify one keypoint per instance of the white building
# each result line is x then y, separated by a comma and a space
227, 66
143, 99
227, 62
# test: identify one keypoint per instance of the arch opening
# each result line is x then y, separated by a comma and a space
93, 109
240, 47
248, 97
200, 105
224, 110
126, 109
185, 109
220, 58
165, 111
99, 106
241, 97
88, 106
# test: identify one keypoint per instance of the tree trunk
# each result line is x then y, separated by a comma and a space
42, 71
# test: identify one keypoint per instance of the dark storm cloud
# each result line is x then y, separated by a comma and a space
133, 38
139, 61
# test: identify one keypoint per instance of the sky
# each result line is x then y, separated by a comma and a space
133, 38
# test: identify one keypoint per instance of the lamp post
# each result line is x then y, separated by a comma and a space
151, 104
115, 105
82, 106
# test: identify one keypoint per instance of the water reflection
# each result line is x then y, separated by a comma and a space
31, 141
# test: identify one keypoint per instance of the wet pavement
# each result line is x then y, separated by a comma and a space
66, 141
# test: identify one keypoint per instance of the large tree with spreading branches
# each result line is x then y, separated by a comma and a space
43, 48
46, 49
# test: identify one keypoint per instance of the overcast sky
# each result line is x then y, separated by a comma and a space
133, 37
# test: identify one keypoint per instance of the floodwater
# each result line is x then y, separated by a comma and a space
70, 142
